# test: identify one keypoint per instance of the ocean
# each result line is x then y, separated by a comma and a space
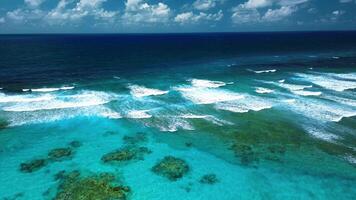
222, 116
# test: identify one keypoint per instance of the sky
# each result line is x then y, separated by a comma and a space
160, 16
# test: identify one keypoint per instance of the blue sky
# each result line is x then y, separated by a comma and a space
122, 16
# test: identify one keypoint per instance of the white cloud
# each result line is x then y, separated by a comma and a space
191, 18
204, 4
25, 15
252, 10
345, 1
278, 14
2, 20
137, 11
34, 3
84, 8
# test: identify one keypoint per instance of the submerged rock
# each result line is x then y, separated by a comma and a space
135, 139
126, 153
209, 179
171, 167
74, 186
246, 154
60, 154
75, 144
33, 165
3, 124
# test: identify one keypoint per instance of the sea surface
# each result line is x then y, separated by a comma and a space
244, 115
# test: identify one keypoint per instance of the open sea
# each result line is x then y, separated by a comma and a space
218, 116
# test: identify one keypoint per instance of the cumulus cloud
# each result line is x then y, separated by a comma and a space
204, 4
34, 3
83, 8
138, 11
191, 18
2, 20
278, 14
251, 10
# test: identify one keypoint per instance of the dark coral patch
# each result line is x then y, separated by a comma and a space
59, 154
33, 165
74, 186
125, 154
135, 139
209, 179
171, 167
75, 144
245, 153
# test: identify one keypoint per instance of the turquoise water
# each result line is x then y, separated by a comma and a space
280, 130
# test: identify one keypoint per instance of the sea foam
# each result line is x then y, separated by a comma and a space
207, 83
328, 82
141, 91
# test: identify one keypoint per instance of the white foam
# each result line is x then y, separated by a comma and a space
293, 87
329, 82
23, 98
265, 71
207, 83
208, 95
45, 89
342, 100
261, 90
306, 93
335, 57
116, 77
321, 110
209, 118
141, 91
248, 103
351, 159
320, 134
111, 114
138, 114
84, 99
67, 88
173, 124
350, 76
281, 81
25, 90
289, 100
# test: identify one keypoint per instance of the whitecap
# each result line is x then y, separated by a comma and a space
141, 91
84, 99
67, 88
335, 57
294, 87
281, 81
173, 124
261, 90
248, 103
207, 83
264, 71
25, 90
209, 118
23, 98
328, 82
45, 89
320, 134
306, 93
289, 100
351, 159
138, 114
207, 96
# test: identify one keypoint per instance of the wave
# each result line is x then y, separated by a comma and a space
52, 89
23, 98
263, 71
328, 82
248, 103
281, 81
320, 134
209, 118
321, 110
261, 90
293, 87
173, 124
207, 83
138, 114
306, 93
141, 91
208, 95
351, 159
84, 99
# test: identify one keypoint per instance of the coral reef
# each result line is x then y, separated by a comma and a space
135, 139
59, 154
171, 167
209, 179
33, 165
74, 186
125, 154
75, 144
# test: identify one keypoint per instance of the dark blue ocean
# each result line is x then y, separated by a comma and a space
178, 116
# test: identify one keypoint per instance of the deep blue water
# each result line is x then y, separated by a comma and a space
271, 115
